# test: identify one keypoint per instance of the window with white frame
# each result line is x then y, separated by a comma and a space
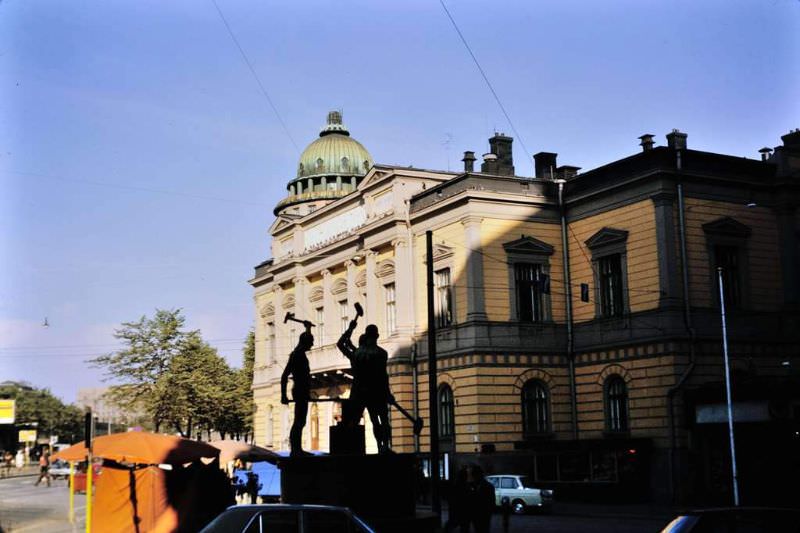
443, 298
530, 282
319, 315
271, 355
391, 309
344, 320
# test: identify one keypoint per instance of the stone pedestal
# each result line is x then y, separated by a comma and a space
347, 440
378, 488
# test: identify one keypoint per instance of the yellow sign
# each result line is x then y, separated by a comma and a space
27, 435
7, 408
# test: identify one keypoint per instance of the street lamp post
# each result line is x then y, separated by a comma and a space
728, 387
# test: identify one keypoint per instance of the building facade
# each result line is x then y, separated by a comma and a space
577, 314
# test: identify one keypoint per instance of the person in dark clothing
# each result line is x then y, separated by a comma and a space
44, 468
480, 501
299, 369
253, 486
457, 514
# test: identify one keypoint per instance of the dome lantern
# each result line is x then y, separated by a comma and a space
329, 168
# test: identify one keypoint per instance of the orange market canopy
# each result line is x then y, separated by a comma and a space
141, 447
230, 450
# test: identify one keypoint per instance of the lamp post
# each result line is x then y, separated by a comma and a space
728, 387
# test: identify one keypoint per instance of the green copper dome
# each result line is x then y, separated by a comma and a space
335, 153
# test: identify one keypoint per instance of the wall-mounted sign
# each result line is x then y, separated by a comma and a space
7, 411
27, 435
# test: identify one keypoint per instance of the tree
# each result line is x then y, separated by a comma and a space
151, 346
40, 407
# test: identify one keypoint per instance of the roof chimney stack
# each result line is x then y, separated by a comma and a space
676, 140
765, 153
647, 142
545, 164
469, 161
503, 162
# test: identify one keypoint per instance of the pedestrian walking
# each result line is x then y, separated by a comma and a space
44, 468
19, 460
479, 501
8, 461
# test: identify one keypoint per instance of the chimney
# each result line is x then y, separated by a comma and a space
647, 142
676, 140
791, 139
500, 147
490, 164
765, 152
567, 171
469, 161
545, 164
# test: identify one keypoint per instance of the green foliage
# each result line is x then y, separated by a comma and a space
52, 416
178, 378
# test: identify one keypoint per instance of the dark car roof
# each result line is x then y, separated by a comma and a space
722, 510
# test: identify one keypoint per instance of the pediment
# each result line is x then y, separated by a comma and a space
373, 176
288, 301
267, 311
441, 252
339, 287
316, 294
385, 269
528, 245
727, 227
607, 236
278, 225
361, 279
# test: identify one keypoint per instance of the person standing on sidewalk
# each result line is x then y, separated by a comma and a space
44, 468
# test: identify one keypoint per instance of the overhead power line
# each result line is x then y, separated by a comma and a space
485, 78
255, 75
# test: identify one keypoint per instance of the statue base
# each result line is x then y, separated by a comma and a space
347, 440
378, 488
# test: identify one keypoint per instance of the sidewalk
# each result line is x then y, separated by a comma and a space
28, 470
635, 511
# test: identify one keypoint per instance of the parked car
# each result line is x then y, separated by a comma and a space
520, 493
59, 469
284, 518
736, 519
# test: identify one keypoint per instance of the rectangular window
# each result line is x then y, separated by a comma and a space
529, 280
391, 309
443, 298
271, 356
344, 320
727, 258
319, 313
609, 279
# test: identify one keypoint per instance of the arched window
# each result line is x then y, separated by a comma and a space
447, 423
535, 408
616, 396
345, 164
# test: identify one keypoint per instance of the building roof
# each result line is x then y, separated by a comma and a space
335, 153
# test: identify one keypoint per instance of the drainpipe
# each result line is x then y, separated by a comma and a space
687, 319
568, 301
414, 385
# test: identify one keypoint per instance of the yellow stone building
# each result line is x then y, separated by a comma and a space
573, 345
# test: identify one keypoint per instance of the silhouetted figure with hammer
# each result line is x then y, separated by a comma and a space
300, 371
370, 383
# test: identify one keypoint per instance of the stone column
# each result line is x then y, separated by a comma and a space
476, 303
339, 183
301, 306
329, 307
403, 286
281, 333
352, 289
373, 300
669, 267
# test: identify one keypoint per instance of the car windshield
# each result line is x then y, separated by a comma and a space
527, 482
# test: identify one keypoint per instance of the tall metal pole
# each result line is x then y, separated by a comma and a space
88, 433
433, 411
728, 388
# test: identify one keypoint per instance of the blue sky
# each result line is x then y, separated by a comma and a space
140, 162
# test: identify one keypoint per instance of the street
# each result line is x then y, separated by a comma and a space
25, 508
